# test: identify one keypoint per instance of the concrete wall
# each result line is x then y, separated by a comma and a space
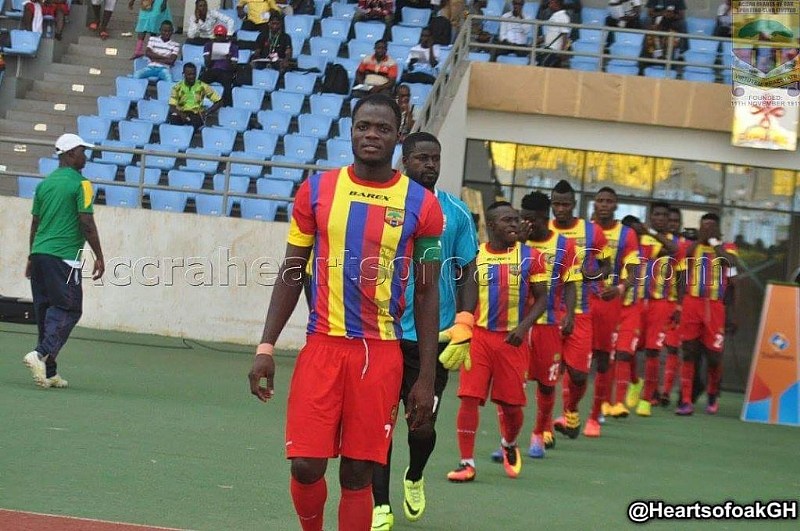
451, 135
168, 278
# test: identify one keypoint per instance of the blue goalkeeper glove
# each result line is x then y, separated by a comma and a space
458, 337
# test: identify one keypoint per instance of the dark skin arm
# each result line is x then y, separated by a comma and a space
669, 247
213, 108
611, 292
89, 230
281, 305
34, 228
571, 299
426, 306
467, 289
539, 293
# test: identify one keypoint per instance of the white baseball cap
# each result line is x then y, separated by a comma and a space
69, 141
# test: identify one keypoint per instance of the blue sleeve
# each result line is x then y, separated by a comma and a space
466, 246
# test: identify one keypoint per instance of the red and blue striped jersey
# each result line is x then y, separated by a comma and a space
708, 275
558, 253
590, 246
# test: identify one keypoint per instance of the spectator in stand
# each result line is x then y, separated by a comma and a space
101, 12
657, 47
416, 4
555, 37
573, 8
273, 48
515, 33
256, 17
624, 14
301, 7
423, 60
376, 10
221, 58
377, 71
724, 19
403, 98
670, 14
151, 15
455, 12
34, 11
162, 52
200, 26
187, 98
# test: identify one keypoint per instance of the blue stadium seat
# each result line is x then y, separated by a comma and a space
298, 41
97, 173
260, 143
26, 186
47, 165
358, 49
319, 8
660, 72
326, 105
282, 172
327, 164
288, 102
703, 46
23, 43
299, 25
345, 127
314, 125
248, 98
93, 129
324, 47
480, 57
623, 50
308, 62
130, 88
700, 75
594, 16
176, 71
513, 60
116, 157
350, 65
627, 38
244, 56
238, 184
247, 36
175, 136
133, 174
154, 111
703, 58
159, 161
399, 52
529, 10
188, 180
704, 26
589, 64
266, 79
168, 200
139, 63
585, 47
236, 119
201, 165
411, 16
419, 92
193, 53
624, 70
219, 138
496, 5
211, 205
14, 11
339, 151
491, 26
301, 147
340, 10
122, 196
113, 108
275, 188
406, 35
260, 209
300, 82
246, 169
137, 133
369, 31
589, 35
336, 28
276, 122
397, 155
164, 89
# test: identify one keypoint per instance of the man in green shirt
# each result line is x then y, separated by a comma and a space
62, 222
187, 98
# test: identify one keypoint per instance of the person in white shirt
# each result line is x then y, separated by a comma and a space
162, 52
624, 14
724, 19
423, 60
555, 37
200, 26
515, 32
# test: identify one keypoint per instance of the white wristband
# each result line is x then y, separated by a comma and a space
713, 242
652, 231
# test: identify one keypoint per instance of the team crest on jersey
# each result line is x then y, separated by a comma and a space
394, 216
514, 269
393, 415
580, 242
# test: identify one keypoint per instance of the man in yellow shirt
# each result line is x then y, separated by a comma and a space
257, 15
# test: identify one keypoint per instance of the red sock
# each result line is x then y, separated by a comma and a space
565, 382
650, 376
512, 424
576, 393
467, 425
544, 410
355, 509
623, 376
309, 502
601, 381
500, 420
714, 378
687, 380
670, 368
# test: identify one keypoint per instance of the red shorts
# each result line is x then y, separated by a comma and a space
605, 318
630, 329
673, 337
50, 9
578, 345
703, 319
495, 363
656, 316
545, 344
343, 398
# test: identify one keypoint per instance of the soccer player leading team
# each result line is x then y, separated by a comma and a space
401, 292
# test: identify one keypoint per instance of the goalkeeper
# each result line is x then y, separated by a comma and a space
458, 294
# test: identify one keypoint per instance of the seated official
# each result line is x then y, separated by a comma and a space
187, 98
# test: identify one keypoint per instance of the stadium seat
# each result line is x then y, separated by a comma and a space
122, 196
175, 136
397, 155
260, 143
627, 38
329, 105
623, 50
340, 10
314, 125
93, 129
231, 118
701, 58
288, 102
496, 5
299, 25
369, 31
248, 98
211, 205
246, 169
339, 151
529, 10
193, 53
660, 72
163, 90
327, 164
201, 165
624, 70
490, 26
309, 62
411, 16
260, 209
300, 147
219, 139
282, 172
345, 128
513, 60
319, 8
133, 174
275, 188
704, 26
419, 92
47, 165
324, 47
350, 65
594, 16
97, 173
113, 108
399, 52
14, 11
168, 200
299, 82
589, 35
26, 186
336, 28
247, 36
266, 79
188, 180
703, 46
586, 47
137, 133
298, 41
480, 57
700, 75
244, 56
406, 35
163, 162
131, 89
275, 122
238, 184
117, 158
23, 43
358, 49
589, 64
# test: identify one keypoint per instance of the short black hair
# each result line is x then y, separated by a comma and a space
411, 141
381, 41
659, 204
169, 23
379, 100
675, 210
190, 66
608, 190
536, 202
563, 187
494, 206
710, 216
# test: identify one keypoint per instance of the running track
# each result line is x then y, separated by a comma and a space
25, 521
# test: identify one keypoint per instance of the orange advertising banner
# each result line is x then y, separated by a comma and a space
773, 389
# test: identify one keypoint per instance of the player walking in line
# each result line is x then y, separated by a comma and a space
672, 339
458, 292
367, 224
